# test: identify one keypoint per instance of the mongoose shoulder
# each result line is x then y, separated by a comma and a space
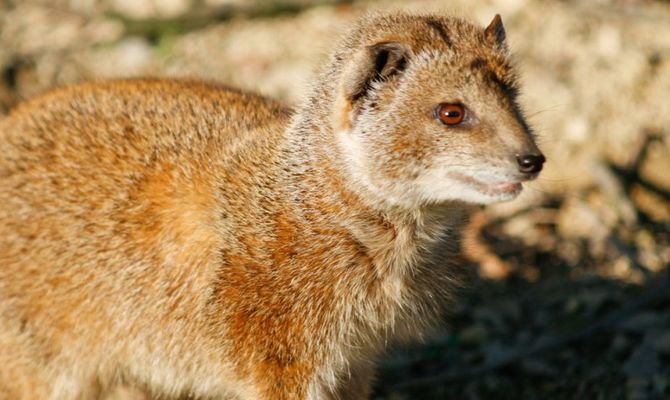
195, 240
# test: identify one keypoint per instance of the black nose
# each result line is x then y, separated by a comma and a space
530, 163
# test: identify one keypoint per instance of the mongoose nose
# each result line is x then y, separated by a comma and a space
530, 163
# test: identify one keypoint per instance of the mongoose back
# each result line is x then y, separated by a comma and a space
192, 240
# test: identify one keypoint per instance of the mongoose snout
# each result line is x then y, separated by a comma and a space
530, 163
202, 242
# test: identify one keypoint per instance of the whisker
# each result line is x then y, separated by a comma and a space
568, 179
563, 195
554, 108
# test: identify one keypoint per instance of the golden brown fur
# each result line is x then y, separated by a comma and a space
188, 239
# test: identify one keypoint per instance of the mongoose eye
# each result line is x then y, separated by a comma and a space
450, 113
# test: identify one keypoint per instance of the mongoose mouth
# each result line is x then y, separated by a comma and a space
507, 189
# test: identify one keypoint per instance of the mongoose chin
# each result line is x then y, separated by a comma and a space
192, 240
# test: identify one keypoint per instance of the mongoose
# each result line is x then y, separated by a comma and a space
193, 240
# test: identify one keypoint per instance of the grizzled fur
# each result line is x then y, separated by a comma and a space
188, 239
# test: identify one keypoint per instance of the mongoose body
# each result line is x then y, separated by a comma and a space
193, 240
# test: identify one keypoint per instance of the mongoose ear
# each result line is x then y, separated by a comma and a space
495, 32
374, 63
371, 64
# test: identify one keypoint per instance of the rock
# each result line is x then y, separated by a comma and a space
662, 343
134, 56
642, 363
496, 352
638, 388
608, 41
474, 334
657, 161
661, 384
643, 321
538, 367
582, 220
511, 309
645, 360
620, 345
490, 316
594, 299
571, 306
145, 9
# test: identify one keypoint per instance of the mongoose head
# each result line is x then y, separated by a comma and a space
426, 112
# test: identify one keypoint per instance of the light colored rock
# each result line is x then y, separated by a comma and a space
219, 3
131, 57
579, 219
608, 41
144, 9
136, 9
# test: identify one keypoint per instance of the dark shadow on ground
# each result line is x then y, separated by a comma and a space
555, 327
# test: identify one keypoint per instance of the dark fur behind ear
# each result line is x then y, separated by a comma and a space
374, 63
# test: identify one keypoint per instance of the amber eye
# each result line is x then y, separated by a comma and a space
450, 113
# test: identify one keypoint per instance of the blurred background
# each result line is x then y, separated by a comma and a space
570, 296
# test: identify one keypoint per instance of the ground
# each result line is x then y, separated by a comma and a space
570, 287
